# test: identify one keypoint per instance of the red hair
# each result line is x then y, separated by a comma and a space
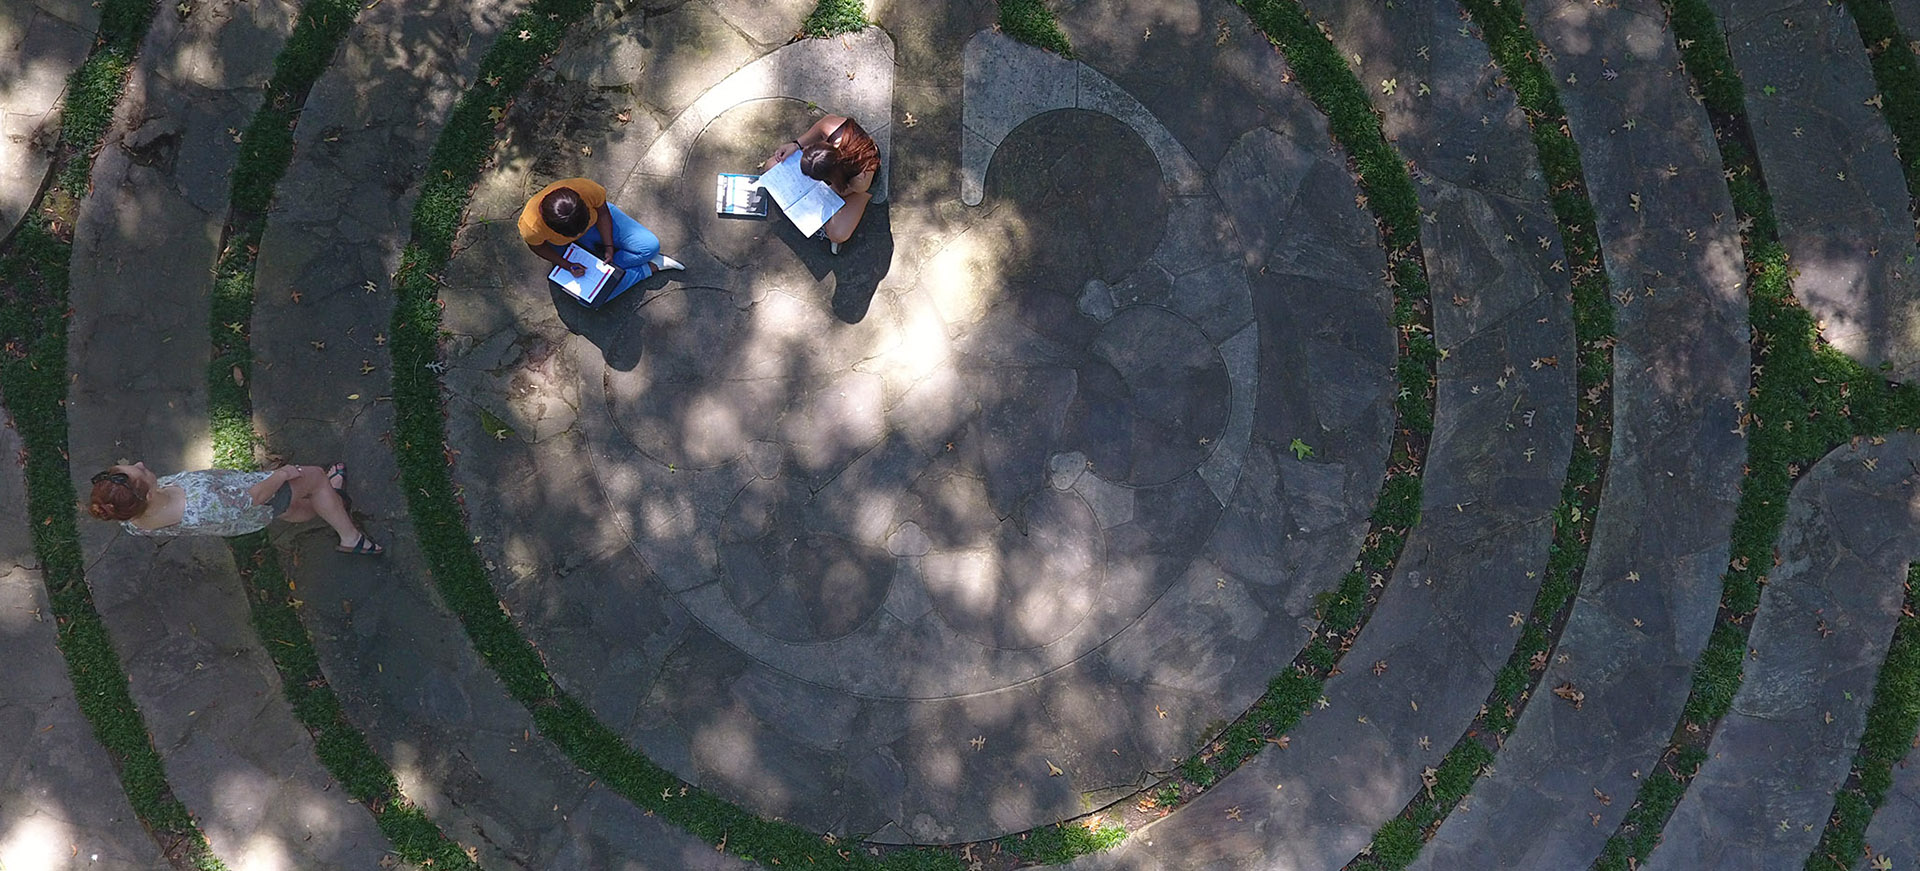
116, 499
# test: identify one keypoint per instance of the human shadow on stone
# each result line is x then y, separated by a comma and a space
614, 328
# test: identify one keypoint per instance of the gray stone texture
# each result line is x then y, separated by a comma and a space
876, 543
144, 251
1680, 368
1895, 831
1762, 798
464, 750
1494, 470
1833, 174
61, 804
41, 43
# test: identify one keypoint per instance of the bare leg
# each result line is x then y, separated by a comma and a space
314, 497
840, 227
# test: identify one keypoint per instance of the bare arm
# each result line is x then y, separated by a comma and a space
815, 134
262, 493
557, 256
604, 220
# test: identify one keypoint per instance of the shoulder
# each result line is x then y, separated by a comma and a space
589, 190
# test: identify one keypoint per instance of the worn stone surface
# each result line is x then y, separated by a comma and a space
41, 43
1762, 798
1499, 452
1833, 174
464, 750
143, 254
963, 502
61, 804
1680, 366
1895, 831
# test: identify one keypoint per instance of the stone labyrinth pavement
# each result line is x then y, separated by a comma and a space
1019, 522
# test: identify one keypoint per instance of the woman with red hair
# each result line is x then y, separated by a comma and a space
226, 502
836, 150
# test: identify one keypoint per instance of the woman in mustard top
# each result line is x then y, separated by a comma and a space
576, 210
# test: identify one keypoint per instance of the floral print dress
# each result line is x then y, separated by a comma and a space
217, 504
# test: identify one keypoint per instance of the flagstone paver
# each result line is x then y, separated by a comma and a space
1895, 831
61, 805
887, 539
1833, 173
1761, 799
1908, 16
1494, 470
43, 42
1651, 587
144, 250
464, 750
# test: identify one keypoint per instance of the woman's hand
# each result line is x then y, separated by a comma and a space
779, 154
576, 269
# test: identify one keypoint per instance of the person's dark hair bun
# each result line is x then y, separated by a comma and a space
565, 213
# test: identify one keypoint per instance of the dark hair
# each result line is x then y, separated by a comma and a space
116, 497
823, 161
565, 213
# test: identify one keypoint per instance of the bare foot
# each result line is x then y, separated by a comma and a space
337, 476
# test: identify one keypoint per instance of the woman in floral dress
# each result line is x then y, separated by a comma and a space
226, 502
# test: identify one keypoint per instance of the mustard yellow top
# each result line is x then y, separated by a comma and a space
534, 229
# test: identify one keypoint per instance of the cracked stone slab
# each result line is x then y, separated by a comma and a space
1494, 471
871, 531
47, 40
1761, 799
1834, 176
1667, 506
144, 253
61, 804
1895, 830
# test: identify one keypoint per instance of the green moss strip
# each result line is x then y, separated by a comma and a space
1807, 400
420, 442
266, 152
1032, 23
1897, 73
1516, 51
834, 17
33, 378
1328, 81
1892, 722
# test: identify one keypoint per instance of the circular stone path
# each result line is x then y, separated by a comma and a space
979, 522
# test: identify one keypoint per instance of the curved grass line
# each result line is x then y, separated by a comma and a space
1515, 49
1343, 611
1892, 720
461, 151
265, 154
33, 379
1807, 400
1031, 22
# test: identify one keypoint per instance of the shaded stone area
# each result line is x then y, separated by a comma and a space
970, 527
41, 43
464, 751
1650, 587
61, 804
1833, 174
1761, 799
144, 251
1895, 831
1416, 676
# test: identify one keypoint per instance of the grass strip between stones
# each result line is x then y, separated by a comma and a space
1892, 723
1895, 714
265, 153
1031, 22
834, 17
33, 378
1518, 54
424, 457
1897, 73
1342, 611
1806, 400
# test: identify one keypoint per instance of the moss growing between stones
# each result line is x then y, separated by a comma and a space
833, 17
1808, 399
1030, 22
